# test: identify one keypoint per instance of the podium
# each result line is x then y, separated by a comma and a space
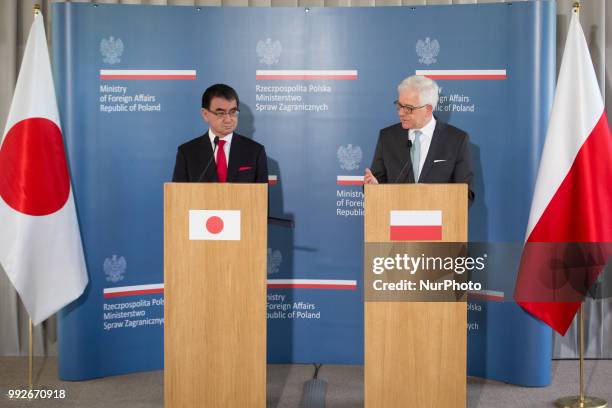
415, 352
215, 243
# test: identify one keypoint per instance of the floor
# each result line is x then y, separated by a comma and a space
343, 385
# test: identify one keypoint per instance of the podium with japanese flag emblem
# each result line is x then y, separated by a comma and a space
215, 242
415, 352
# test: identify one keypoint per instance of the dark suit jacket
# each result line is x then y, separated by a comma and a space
448, 159
248, 162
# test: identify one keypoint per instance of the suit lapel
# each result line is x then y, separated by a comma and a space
234, 159
434, 149
405, 160
206, 153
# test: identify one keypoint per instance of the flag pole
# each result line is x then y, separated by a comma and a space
36, 10
581, 345
31, 355
581, 400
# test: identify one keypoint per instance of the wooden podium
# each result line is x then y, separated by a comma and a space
215, 295
415, 352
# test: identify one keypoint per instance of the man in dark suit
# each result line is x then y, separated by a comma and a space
220, 155
419, 148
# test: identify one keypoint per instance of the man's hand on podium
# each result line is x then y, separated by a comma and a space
369, 177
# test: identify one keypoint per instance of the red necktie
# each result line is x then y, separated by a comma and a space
221, 162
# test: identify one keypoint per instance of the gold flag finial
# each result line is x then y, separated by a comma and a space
36, 9
576, 7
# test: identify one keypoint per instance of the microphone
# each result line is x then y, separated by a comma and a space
399, 176
216, 142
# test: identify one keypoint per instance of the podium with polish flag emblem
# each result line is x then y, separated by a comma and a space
215, 242
415, 352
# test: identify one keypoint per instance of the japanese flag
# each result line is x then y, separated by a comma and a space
40, 241
216, 225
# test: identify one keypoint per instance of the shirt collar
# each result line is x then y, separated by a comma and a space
211, 136
426, 130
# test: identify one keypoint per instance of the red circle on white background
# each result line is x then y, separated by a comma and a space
34, 176
214, 224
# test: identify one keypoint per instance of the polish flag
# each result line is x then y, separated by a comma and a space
415, 225
214, 225
40, 242
147, 74
463, 74
349, 180
136, 290
573, 195
329, 284
306, 74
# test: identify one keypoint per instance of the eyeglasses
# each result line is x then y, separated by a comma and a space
407, 108
221, 114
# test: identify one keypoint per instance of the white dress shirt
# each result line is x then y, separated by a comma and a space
226, 147
426, 135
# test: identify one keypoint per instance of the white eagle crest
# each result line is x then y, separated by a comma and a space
274, 260
427, 50
111, 49
268, 51
349, 157
114, 268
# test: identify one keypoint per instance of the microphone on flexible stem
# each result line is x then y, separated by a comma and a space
399, 176
216, 142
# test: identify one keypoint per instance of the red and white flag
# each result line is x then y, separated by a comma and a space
349, 180
40, 242
573, 194
215, 225
415, 225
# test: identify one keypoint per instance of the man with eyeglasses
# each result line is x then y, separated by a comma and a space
220, 155
420, 149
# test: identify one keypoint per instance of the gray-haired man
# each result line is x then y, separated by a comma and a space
420, 148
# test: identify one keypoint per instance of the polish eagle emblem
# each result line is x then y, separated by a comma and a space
427, 50
269, 51
275, 258
114, 268
349, 157
111, 49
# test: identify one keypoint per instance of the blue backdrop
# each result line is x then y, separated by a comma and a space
315, 86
